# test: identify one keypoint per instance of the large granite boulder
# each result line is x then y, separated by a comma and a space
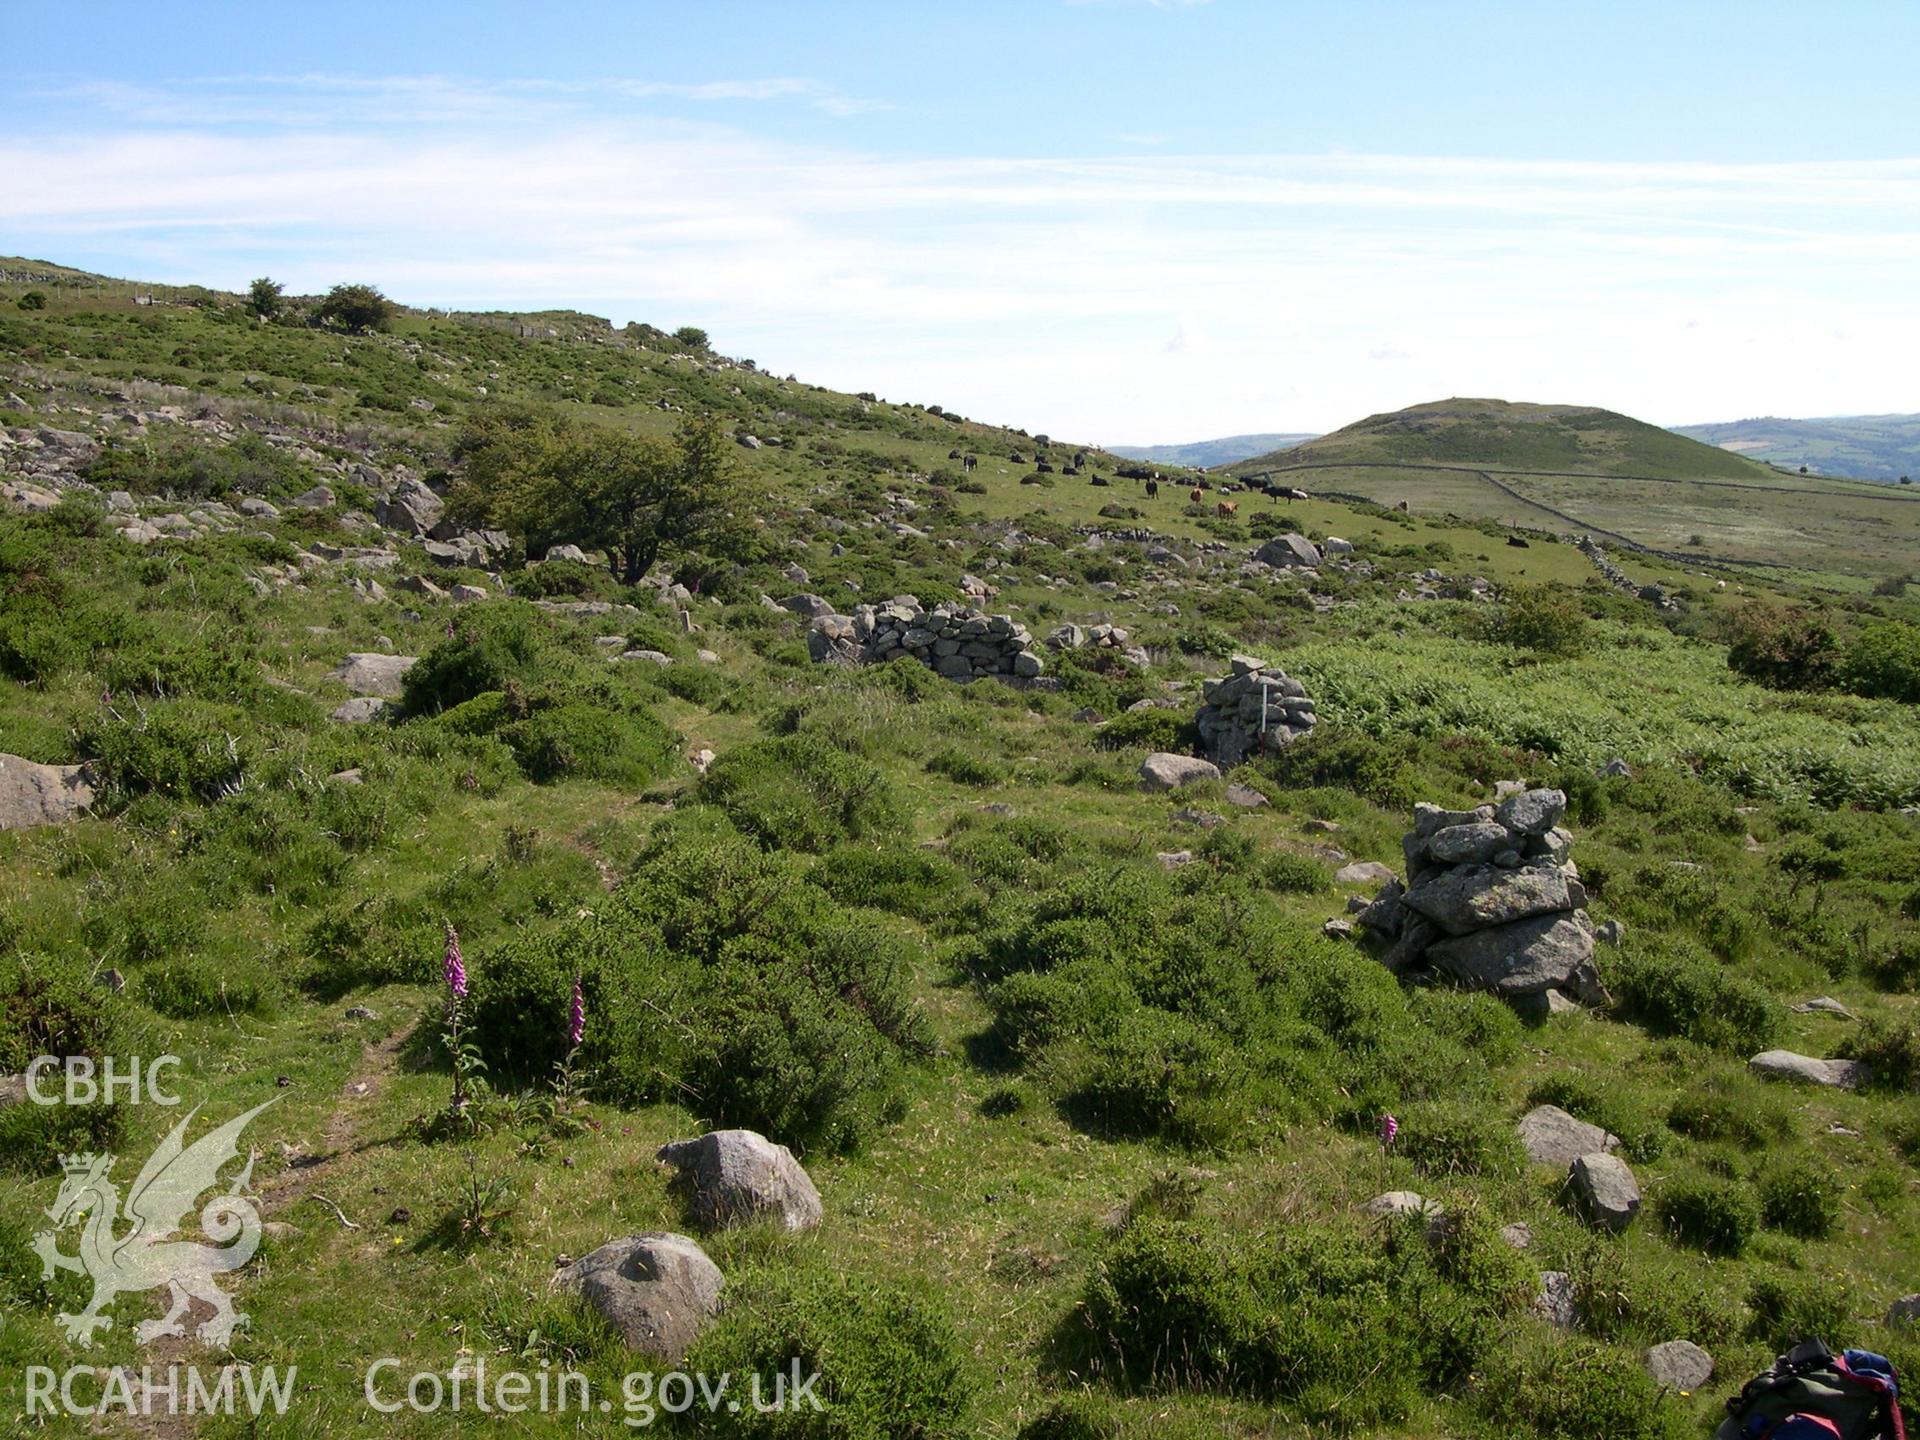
411, 508
659, 1290
1467, 898
1553, 1137
734, 1176
1166, 771
1787, 1065
1553, 951
373, 673
1606, 1191
35, 794
1290, 551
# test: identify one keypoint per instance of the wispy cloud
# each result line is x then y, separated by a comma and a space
1042, 292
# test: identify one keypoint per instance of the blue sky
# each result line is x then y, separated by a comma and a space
1116, 220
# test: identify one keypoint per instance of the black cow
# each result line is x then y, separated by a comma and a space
1153, 487
967, 462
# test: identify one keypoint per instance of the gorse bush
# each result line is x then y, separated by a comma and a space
1801, 1196
1786, 647
719, 978
1718, 1216
1883, 661
1541, 619
800, 792
1684, 993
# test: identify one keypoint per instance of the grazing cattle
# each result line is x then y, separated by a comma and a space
1225, 508
1080, 457
953, 454
1069, 469
1153, 487
1196, 495
1100, 480
1401, 507
968, 462
1042, 467
1518, 543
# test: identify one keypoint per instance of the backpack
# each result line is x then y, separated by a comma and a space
1813, 1394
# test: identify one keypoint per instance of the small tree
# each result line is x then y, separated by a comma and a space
33, 300
1546, 621
1788, 647
264, 297
554, 482
692, 336
358, 308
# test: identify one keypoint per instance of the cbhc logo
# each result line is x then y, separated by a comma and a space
90, 1084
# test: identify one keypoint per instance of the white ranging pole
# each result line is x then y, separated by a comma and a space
1265, 687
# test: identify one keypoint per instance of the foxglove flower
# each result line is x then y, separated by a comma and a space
1389, 1127
455, 971
577, 1016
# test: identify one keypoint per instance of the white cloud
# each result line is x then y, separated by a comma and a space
1039, 292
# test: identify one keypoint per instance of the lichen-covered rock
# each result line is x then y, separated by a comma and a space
1551, 1136
1473, 897
1606, 1191
1166, 771
1255, 708
35, 794
1679, 1365
732, 1176
1787, 1065
658, 1289
1553, 951
372, 673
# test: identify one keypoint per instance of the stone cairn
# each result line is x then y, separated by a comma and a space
1494, 901
1230, 721
959, 642
1097, 637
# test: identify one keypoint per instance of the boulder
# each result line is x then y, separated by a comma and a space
1555, 1303
1471, 844
1364, 872
1165, 771
1532, 812
1553, 1137
1605, 1190
318, 498
35, 794
1823, 1005
371, 673
360, 710
1517, 1236
1904, 1313
1679, 1365
659, 1290
1288, 550
567, 552
1246, 797
1544, 952
1475, 897
412, 508
1786, 1065
732, 1176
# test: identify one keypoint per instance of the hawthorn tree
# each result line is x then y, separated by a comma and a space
263, 297
359, 308
552, 481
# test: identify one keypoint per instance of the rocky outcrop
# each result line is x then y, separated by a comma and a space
1164, 770
734, 1176
1605, 1190
659, 1290
1492, 900
1254, 709
1289, 551
372, 673
35, 794
1787, 1065
957, 641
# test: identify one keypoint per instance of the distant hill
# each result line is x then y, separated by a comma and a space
1509, 435
1867, 447
1204, 453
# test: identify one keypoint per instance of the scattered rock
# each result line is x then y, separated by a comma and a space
1165, 771
360, 1012
1363, 872
1553, 1137
1606, 1191
1786, 1065
1679, 1365
733, 1176
371, 673
34, 794
1823, 1005
1904, 1313
1174, 859
1290, 551
659, 1290
1338, 928
1555, 1303
1517, 1236
1245, 796
361, 710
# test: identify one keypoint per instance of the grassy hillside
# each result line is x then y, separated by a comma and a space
1865, 447
1209, 453
1089, 1090
1578, 470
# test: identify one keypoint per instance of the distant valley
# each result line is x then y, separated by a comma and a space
1867, 447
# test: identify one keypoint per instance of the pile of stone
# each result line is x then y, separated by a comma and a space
1256, 708
1653, 594
1494, 901
957, 641
1096, 637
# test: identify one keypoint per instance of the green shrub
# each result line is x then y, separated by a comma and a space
1449, 1138
1164, 1075
1683, 993
890, 1362
490, 647
1883, 661
965, 768
1541, 619
1574, 1390
1292, 873
911, 882
199, 987
182, 748
1783, 646
1801, 1196
1891, 1050
1157, 730
1788, 1307
1718, 1216
1482, 1024
1348, 760
1738, 1112
32, 300
800, 792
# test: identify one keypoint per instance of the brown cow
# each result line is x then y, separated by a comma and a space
1196, 494
1225, 508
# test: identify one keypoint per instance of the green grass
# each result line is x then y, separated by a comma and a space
1067, 1049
